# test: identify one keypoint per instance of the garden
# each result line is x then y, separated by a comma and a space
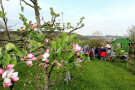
45, 55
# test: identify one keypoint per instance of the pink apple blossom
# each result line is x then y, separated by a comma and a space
24, 58
45, 56
10, 66
55, 61
29, 63
62, 61
30, 55
35, 25
46, 61
7, 76
60, 65
22, 28
41, 56
15, 79
47, 50
74, 45
80, 65
40, 64
11, 53
50, 23
76, 48
7, 84
29, 24
45, 66
1, 71
34, 58
79, 60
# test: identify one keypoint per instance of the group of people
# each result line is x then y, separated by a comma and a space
98, 52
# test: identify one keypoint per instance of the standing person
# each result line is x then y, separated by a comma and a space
85, 49
108, 52
96, 52
103, 54
82, 51
91, 54
99, 53
113, 54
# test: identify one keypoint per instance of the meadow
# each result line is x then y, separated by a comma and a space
94, 75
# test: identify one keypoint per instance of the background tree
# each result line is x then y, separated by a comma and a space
97, 38
1, 25
131, 36
131, 33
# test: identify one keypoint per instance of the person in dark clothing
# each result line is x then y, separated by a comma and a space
96, 52
91, 54
99, 52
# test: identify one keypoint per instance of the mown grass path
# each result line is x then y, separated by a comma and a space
97, 75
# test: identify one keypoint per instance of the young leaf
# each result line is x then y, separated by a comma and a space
10, 46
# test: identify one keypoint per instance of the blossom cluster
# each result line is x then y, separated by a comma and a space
33, 26
76, 48
9, 74
45, 58
79, 61
29, 59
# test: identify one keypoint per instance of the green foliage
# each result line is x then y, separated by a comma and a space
10, 55
10, 46
34, 42
2, 15
22, 18
22, 8
63, 50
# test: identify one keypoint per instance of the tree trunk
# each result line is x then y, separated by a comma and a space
37, 14
47, 80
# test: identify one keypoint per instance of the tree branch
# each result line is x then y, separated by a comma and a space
32, 1
4, 19
49, 74
37, 49
27, 3
75, 29
11, 40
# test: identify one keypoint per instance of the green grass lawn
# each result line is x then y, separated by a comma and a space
97, 75
94, 75
105, 76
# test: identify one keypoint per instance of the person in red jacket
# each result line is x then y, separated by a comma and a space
103, 54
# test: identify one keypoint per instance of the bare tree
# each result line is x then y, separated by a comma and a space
97, 35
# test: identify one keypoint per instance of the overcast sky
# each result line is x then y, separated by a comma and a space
111, 17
